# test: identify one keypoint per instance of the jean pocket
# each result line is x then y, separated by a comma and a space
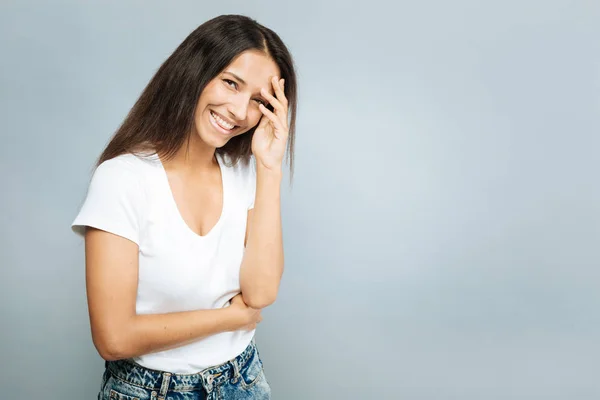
117, 389
252, 371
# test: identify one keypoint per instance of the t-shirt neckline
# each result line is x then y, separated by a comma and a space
175, 208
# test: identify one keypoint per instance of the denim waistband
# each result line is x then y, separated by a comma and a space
161, 381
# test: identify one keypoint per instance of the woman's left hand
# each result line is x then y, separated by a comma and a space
270, 137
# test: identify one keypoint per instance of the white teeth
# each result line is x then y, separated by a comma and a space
223, 124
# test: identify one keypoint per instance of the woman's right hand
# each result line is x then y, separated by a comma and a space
246, 317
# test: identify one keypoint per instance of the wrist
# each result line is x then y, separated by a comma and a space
234, 319
268, 179
272, 174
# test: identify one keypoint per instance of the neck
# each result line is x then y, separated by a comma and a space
194, 156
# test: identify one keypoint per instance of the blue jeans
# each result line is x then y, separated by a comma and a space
240, 378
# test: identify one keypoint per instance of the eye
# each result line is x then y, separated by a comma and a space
261, 101
230, 83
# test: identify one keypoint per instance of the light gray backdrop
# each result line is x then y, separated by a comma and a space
442, 232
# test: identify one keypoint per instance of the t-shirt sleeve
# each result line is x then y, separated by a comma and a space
251, 183
114, 202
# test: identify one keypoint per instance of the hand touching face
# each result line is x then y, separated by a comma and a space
230, 104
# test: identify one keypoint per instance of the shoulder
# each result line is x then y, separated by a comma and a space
127, 175
125, 169
128, 164
116, 199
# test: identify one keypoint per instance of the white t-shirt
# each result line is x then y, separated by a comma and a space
179, 270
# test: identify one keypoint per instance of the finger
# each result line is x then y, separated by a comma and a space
277, 105
273, 118
284, 101
279, 92
279, 122
263, 121
283, 98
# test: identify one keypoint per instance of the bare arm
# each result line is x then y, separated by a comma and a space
262, 265
117, 331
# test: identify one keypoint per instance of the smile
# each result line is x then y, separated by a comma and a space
220, 123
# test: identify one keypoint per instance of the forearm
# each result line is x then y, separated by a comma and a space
262, 265
148, 333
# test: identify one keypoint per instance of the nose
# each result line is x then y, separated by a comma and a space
238, 108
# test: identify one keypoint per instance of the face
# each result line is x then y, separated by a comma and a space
228, 105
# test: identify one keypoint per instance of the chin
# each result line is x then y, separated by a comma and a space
209, 137
214, 141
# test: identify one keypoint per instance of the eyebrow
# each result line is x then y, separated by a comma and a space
243, 82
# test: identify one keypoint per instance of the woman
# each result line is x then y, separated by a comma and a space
182, 220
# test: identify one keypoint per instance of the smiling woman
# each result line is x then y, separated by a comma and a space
231, 103
182, 220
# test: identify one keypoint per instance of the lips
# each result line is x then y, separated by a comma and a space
221, 123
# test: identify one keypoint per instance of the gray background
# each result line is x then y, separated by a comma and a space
442, 231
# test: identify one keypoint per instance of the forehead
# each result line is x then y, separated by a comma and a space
254, 67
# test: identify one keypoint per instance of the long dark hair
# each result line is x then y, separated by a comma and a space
162, 118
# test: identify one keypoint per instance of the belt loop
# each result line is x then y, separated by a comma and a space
164, 387
236, 371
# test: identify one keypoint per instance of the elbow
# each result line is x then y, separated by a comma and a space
260, 301
110, 347
257, 292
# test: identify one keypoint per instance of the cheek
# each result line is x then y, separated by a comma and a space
253, 119
254, 115
214, 94
200, 114
221, 94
